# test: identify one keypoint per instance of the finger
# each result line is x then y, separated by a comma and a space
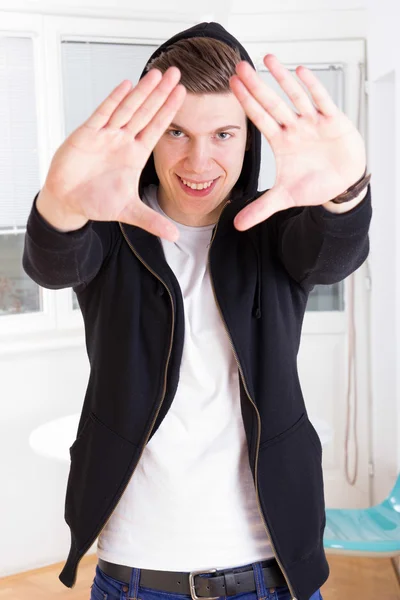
319, 93
157, 126
290, 86
261, 209
102, 114
138, 108
260, 117
124, 110
145, 113
138, 214
267, 97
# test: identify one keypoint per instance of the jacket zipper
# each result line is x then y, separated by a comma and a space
164, 387
255, 407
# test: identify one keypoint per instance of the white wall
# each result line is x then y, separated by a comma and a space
384, 144
37, 387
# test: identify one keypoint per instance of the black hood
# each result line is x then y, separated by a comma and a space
247, 184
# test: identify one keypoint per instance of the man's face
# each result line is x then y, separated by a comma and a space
199, 146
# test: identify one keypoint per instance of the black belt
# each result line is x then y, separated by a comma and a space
224, 582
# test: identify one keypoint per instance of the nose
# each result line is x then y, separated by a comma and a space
199, 159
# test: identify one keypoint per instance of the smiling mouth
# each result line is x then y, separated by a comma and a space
204, 185
194, 192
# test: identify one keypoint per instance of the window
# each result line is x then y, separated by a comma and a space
322, 297
19, 172
32, 126
91, 70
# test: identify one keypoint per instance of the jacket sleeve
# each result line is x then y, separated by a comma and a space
320, 247
57, 260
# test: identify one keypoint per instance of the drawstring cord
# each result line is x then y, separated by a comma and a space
257, 293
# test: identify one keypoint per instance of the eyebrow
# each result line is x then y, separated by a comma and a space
176, 126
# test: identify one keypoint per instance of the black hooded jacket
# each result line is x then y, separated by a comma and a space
133, 314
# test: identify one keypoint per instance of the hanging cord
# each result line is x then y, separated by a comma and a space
352, 377
352, 352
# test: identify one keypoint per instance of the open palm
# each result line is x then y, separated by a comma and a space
319, 153
95, 173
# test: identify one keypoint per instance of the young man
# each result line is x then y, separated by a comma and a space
194, 450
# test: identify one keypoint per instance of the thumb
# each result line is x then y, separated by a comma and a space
259, 210
138, 214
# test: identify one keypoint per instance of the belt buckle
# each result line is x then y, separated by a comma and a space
192, 585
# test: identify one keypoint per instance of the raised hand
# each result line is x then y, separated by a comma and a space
319, 153
95, 173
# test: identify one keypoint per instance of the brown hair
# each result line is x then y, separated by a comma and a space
206, 65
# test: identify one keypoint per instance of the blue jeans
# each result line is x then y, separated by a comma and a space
105, 587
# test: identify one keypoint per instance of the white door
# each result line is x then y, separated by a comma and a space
334, 351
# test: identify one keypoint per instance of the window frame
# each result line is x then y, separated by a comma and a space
58, 324
350, 54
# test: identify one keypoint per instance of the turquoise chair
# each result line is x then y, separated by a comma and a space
372, 531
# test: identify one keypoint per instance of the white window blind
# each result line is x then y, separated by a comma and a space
19, 165
91, 70
322, 297
331, 77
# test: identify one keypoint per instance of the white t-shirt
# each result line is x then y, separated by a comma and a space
191, 502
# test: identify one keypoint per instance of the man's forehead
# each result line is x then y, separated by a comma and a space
210, 112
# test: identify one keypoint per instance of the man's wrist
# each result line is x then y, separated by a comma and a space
345, 206
51, 211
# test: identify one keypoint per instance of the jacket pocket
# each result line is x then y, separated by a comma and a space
100, 462
287, 432
291, 491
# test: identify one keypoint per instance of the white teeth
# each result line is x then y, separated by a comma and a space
197, 186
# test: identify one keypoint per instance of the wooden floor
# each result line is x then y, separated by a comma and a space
350, 579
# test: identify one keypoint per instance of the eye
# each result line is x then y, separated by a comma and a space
224, 133
174, 131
